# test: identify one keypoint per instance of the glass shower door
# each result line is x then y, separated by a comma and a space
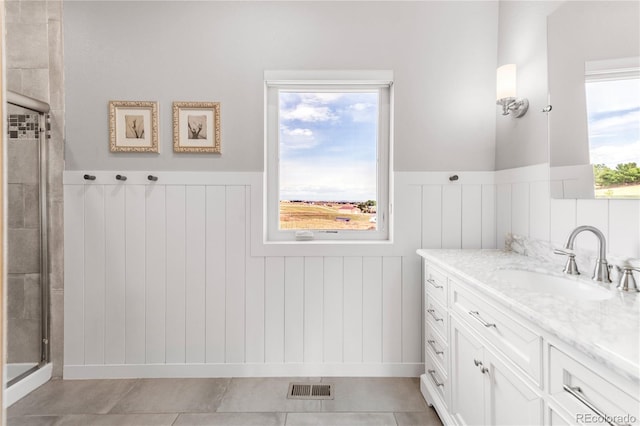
25, 264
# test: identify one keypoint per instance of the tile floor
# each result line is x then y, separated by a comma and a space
229, 402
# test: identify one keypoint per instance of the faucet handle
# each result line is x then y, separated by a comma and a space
627, 282
564, 252
571, 268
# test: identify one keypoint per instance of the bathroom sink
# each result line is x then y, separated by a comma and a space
541, 283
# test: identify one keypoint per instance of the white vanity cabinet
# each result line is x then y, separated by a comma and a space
484, 388
485, 364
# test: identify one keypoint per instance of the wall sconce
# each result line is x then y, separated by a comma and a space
506, 92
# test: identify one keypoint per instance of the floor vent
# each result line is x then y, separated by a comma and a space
310, 391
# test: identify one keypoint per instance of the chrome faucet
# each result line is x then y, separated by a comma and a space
601, 270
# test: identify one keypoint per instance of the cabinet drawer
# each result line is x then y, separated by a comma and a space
435, 283
437, 317
438, 379
438, 348
520, 344
586, 395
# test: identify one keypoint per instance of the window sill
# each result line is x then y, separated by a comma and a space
325, 248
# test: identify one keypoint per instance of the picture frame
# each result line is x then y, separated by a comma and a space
133, 126
196, 127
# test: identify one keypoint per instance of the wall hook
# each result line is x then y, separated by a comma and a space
453, 178
547, 108
152, 178
121, 177
89, 177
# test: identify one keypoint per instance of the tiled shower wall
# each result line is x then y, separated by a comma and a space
35, 68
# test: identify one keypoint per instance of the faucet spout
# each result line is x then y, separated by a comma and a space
601, 270
602, 245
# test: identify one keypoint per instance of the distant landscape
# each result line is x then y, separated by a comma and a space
626, 191
623, 181
342, 215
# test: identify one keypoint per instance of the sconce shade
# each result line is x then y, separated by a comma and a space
506, 81
506, 92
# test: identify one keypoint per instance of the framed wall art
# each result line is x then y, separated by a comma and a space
133, 126
196, 127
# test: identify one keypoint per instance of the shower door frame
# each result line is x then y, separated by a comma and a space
42, 108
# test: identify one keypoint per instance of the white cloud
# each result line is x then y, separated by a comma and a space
328, 179
624, 122
297, 138
362, 112
308, 113
298, 132
615, 95
613, 155
319, 98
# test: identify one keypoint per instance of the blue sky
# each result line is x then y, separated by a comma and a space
613, 109
328, 145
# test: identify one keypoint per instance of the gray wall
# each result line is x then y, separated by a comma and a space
443, 55
522, 41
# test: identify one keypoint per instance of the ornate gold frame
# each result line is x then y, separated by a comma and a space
215, 108
142, 105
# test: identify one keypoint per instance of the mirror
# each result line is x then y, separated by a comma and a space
593, 54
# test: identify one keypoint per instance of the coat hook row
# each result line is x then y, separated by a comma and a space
120, 177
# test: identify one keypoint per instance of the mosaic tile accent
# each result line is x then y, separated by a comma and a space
23, 126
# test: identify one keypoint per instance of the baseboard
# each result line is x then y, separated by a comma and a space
241, 370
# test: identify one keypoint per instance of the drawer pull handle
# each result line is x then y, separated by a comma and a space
433, 283
576, 392
433, 314
477, 316
432, 343
432, 373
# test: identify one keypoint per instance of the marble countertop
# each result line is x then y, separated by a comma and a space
608, 331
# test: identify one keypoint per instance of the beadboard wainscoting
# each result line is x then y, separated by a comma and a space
524, 207
171, 278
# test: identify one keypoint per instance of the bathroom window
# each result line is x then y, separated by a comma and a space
613, 115
327, 145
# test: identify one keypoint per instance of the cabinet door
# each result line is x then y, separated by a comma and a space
554, 418
509, 399
467, 390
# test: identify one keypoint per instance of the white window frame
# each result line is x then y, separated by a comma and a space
612, 69
344, 81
